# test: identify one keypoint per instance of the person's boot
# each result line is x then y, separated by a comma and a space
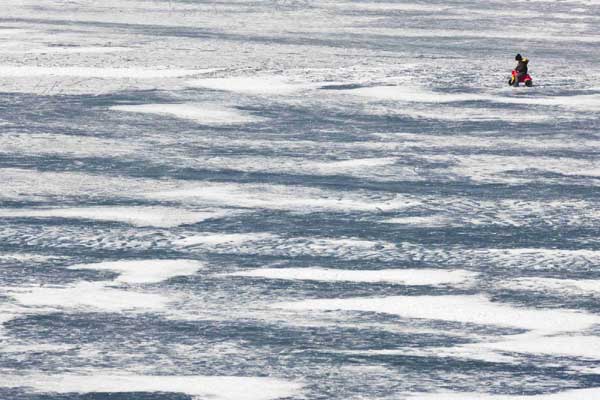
516, 80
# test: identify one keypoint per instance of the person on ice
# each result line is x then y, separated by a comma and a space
521, 68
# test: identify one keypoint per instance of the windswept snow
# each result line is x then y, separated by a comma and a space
145, 271
253, 85
214, 387
201, 113
398, 276
466, 309
164, 217
91, 72
299, 199
88, 296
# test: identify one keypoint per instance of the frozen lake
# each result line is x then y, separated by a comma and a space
256, 200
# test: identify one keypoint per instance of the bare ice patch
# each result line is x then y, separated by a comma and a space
585, 287
550, 332
204, 387
398, 276
26, 258
575, 394
466, 309
416, 94
146, 271
573, 345
163, 217
207, 114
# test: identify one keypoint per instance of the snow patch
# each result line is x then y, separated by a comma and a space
66, 50
88, 295
207, 114
163, 217
412, 94
146, 271
253, 85
428, 221
280, 197
212, 239
213, 387
398, 276
91, 72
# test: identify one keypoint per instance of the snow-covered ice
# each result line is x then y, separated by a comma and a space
400, 276
299, 199
214, 387
145, 271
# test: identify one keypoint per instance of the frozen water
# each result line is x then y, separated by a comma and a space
299, 199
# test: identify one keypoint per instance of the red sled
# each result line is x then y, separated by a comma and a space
526, 79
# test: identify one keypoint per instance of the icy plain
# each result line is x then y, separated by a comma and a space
298, 199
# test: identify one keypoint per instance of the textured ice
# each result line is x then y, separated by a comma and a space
213, 387
574, 287
65, 50
468, 309
574, 345
562, 395
146, 271
400, 276
400, 223
279, 197
412, 94
90, 72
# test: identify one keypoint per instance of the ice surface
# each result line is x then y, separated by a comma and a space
412, 94
573, 287
254, 85
146, 271
206, 114
279, 197
564, 345
562, 395
400, 222
401, 276
65, 50
90, 72
468, 309
213, 387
